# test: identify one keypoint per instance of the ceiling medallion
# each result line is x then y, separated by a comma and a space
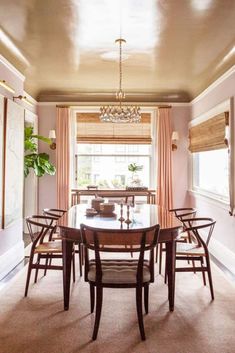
120, 113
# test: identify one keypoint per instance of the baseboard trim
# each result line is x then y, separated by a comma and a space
11, 258
223, 257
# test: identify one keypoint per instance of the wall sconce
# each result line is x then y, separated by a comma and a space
6, 86
23, 99
174, 138
52, 136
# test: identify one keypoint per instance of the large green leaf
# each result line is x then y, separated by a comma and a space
42, 138
29, 145
28, 132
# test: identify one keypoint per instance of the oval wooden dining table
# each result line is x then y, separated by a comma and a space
140, 217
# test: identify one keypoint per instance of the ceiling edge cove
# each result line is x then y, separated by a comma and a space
12, 68
214, 84
91, 104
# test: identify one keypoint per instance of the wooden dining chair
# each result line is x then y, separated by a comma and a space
58, 213
119, 273
180, 213
201, 230
41, 229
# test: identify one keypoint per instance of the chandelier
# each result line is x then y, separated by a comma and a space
120, 113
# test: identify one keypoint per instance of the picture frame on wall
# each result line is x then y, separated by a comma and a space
13, 164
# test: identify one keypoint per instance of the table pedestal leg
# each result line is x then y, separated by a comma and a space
67, 247
170, 268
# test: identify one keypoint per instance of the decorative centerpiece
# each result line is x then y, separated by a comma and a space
135, 179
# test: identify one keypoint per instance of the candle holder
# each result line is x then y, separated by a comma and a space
121, 219
128, 221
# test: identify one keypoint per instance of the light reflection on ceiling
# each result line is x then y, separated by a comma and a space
6, 41
66, 48
100, 26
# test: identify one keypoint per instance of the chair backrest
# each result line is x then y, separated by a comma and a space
54, 212
186, 212
201, 228
119, 241
45, 227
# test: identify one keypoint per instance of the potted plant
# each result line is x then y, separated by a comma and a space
39, 162
134, 168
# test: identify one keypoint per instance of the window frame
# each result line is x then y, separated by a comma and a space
220, 108
153, 160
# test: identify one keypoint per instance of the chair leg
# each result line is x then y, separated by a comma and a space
92, 297
80, 250
82, 254
36, 271
203, 272
160, 259
157, 253
193, 263
146, 298
28, 275
165, 276
73, 264
46, 263
99, 299
139, 311
209, 276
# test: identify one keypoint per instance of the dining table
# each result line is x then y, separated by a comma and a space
138, 217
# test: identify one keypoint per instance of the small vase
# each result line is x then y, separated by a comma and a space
135, 180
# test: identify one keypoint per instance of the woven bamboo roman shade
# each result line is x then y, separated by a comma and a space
91, 130
209, 135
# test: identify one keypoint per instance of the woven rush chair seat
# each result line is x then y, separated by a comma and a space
119, 271
48, 247
189, 249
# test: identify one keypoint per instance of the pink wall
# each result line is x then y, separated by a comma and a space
225, 227
47, 184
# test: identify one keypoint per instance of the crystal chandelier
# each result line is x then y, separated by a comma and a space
120, 113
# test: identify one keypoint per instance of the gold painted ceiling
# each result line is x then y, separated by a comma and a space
67, 51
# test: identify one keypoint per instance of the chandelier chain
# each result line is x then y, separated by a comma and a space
120, 65
120, 113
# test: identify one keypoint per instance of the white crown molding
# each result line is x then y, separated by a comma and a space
216, 83
219, 108
95, 104
12, 68
30, 98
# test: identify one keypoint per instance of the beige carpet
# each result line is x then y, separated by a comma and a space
38, 323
